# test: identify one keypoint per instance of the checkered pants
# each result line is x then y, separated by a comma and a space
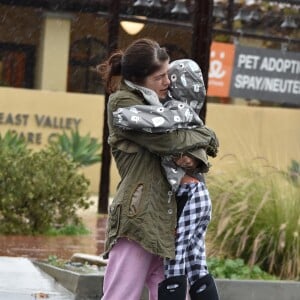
190, 258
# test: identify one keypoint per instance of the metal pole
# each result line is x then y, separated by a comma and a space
113, 34
201, 40
230, 15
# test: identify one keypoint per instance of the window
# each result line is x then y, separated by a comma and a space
85, 55
16, 65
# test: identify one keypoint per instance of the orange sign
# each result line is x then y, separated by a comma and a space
220, 69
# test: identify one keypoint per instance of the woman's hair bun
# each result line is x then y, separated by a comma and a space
115, 63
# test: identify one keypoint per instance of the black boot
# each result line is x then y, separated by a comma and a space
172, 288
207, 287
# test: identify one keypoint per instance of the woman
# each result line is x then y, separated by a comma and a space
181, 110
142, 216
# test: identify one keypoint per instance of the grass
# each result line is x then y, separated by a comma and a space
256, 217
72, 229
82, 268
236, 269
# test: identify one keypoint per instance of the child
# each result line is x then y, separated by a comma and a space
180, 110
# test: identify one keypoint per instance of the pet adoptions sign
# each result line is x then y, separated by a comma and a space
270, 75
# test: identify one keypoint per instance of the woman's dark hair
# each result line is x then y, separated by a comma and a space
141, 59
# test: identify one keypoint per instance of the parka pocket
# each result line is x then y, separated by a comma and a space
135, 200
114, 220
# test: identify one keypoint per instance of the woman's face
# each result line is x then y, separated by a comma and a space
159, 81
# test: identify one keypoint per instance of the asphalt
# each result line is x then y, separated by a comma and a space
21, 280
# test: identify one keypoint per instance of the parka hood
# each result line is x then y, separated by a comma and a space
187, 83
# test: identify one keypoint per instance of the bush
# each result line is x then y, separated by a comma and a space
72, 229
39, 191
235, 269
12, 142
84, 150
256, 213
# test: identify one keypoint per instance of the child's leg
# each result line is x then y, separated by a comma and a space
202, 283
198, 214
190, 245
176, 266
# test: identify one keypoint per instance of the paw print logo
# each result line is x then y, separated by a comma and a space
220, 70
216, 65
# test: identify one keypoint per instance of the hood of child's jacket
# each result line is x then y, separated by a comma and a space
187, 83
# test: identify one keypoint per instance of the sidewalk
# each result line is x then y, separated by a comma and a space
20, 279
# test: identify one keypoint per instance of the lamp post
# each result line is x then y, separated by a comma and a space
201, 40
113, 34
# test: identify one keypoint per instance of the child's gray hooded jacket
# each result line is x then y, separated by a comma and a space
180, 110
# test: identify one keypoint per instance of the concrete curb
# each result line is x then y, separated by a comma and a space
258, 289
89, 286
84, 286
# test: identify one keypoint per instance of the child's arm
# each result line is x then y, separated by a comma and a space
154, 118
161, 119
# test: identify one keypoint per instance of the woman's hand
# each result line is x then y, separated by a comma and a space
186, 162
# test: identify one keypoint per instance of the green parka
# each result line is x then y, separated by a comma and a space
144, 207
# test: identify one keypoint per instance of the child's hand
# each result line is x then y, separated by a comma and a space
186, 162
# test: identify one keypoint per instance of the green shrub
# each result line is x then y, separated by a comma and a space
56, 262
12, 142
84, 150
71, 229
256, 217
39, 191
235, 269
78, 267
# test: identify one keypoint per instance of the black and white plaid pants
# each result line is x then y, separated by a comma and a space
190, 258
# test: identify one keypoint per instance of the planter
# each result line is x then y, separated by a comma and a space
84, 286
258, 289
89, 286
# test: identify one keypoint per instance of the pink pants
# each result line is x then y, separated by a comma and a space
130, 267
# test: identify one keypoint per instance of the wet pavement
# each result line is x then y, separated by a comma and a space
41, 247
21, 280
